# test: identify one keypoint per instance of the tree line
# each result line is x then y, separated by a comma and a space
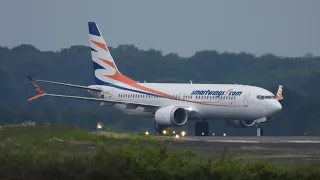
299, 75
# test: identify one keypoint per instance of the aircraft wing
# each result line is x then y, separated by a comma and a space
42, 93
65, 84
101, 100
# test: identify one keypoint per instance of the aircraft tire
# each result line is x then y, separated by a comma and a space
159, 129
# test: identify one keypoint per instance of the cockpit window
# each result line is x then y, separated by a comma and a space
265, 97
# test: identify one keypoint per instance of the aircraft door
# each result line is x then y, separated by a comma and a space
246, 99
107, 94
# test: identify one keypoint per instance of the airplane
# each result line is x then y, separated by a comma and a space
171, 104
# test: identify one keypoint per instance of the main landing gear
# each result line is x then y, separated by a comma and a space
160, 129
201, 128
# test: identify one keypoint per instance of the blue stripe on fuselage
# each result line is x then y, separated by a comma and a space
99, 82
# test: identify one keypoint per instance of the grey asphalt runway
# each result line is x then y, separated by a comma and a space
285, 149
303, 149
264, 141
255, 139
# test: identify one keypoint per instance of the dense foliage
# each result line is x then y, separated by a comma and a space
53, 152
299, 75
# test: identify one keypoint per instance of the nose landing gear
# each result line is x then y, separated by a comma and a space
259, 130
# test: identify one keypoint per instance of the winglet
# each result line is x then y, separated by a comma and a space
38, 89
279, 96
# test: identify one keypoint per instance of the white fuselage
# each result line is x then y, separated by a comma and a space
210, 101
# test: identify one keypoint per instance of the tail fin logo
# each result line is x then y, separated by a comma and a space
279, 93
105, 68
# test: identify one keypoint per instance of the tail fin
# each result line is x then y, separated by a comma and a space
279, 93
105, 69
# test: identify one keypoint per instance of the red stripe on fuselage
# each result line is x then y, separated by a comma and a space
126, 80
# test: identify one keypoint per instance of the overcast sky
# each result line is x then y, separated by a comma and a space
285, 28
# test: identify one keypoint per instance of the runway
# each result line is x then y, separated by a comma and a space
302, 149
254, 139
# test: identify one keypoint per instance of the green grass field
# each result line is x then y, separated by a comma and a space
37, 152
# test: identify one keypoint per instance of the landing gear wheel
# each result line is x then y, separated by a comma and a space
159, 129
202, 129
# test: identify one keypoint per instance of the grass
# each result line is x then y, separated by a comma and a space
54, 135
35, 158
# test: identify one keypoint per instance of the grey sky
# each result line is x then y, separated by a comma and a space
285, 28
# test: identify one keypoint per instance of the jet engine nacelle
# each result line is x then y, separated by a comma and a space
241, 123
171, 115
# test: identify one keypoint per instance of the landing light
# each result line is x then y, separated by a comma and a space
99, 125
173, 132
147, 133
224, 134
183, 133
177, 136
202, 134
164, 132
213, 134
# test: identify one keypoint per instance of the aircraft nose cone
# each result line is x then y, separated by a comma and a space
274, 106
